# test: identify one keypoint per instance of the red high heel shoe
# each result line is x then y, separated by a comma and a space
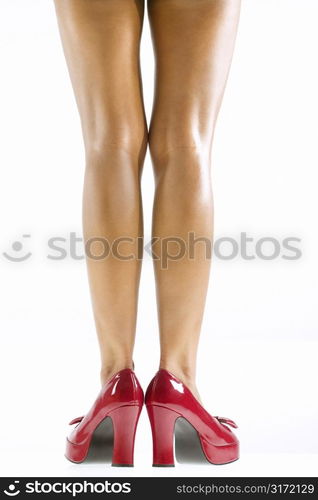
121, 400
168, 399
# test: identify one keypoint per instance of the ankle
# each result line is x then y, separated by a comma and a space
180, 368
108, 370
184, 373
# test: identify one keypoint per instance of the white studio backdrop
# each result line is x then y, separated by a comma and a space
258, 353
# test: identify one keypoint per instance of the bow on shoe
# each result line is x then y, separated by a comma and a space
228, 421
76, 420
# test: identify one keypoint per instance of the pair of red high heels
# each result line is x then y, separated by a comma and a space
167, 399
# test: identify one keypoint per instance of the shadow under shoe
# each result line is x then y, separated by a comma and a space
188, 449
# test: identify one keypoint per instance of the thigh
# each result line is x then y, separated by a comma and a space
101, 43
193, 43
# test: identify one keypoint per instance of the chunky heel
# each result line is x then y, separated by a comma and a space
162, 421
125, 420
120, 400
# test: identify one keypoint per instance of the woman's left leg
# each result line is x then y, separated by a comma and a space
101, 43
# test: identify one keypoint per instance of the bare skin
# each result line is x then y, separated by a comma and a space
193, 41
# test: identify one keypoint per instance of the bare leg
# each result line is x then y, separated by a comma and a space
193, 42
101, 43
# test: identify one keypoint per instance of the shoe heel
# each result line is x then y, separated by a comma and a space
125, 420
162, 421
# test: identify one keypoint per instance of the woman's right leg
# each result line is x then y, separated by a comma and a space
101, 44
193, 41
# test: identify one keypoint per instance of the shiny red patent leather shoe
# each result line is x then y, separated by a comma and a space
121, 400
168, 399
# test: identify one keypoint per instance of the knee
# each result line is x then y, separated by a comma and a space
113, 166
181, 152
122, 147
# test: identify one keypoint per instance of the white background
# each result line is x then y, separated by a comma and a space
258, 353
